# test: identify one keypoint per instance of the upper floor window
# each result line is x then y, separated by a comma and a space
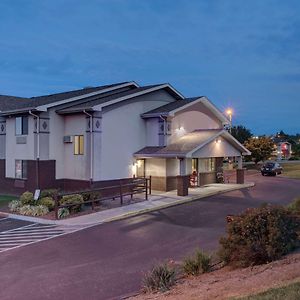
22, 125
78, 145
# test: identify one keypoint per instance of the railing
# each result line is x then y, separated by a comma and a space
137, 186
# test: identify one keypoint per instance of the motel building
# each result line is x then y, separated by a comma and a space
96, 136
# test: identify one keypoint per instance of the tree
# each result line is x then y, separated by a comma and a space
241, 133
261, 148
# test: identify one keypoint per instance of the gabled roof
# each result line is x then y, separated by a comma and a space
12, 102
171, 108
186, 145
86, 99
44, 102
99, 102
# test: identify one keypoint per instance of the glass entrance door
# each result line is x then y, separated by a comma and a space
140, 168
195, 173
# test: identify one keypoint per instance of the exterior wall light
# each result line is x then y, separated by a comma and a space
218, 141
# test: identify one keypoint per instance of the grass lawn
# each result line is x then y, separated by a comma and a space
4, 199
291, 170
289, 292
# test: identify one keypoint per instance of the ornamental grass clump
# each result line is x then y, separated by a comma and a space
160, 278
33, 210
14, 205
259, 235
197, 264
295, 206
63, 212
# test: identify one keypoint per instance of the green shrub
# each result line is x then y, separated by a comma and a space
14, 205
27, 198
33, 210
75, 199
63, 212
47, 201
49, 193
258, 236
295, 206
89, 196
160, 278
197, 264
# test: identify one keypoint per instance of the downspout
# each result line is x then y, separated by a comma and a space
38, 147
91, 145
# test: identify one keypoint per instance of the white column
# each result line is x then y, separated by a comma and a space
182, 166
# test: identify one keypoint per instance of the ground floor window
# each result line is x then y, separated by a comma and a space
207, 165
78, 145
20, 169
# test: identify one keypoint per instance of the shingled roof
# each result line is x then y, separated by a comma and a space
11, 102
170, 106
89, 104
8, 103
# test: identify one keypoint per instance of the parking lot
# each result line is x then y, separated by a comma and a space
17, 233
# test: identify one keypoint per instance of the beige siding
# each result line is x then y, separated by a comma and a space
213, 149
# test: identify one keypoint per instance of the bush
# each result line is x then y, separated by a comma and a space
63, 212
33, 210
295, 206
27, 198
49, 193
160, 278
88, 196
47, 201
258, 236
14, 205
75, 199
198, 264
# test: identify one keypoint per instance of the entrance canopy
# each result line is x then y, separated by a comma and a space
199, 143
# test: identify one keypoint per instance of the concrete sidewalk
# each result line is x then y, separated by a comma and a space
156, 201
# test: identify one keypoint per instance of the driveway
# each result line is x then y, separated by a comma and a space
107, 261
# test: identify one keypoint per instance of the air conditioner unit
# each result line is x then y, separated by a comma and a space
68, 139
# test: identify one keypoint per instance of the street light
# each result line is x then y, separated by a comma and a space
229, 112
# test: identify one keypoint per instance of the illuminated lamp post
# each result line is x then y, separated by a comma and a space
229, 113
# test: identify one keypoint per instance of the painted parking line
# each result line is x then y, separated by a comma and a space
32, 233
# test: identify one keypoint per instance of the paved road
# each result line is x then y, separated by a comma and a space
107, 261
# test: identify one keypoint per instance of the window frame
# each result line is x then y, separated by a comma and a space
23, 164
21, 125
78, 148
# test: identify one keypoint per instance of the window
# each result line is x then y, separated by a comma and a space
78, 145
207, 164
20, 169
22, 125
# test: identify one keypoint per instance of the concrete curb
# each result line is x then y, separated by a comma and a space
128, 214
175, 203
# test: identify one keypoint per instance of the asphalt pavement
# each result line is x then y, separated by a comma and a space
108, 261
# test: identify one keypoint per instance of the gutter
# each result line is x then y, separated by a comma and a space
91, 145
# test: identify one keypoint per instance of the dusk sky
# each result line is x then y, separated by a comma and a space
243, 54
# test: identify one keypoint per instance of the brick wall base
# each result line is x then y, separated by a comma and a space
240, 176
46, 178
164, 184
183, 185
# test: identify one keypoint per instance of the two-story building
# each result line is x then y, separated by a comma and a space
97, 135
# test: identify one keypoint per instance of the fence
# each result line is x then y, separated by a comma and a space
136, 186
